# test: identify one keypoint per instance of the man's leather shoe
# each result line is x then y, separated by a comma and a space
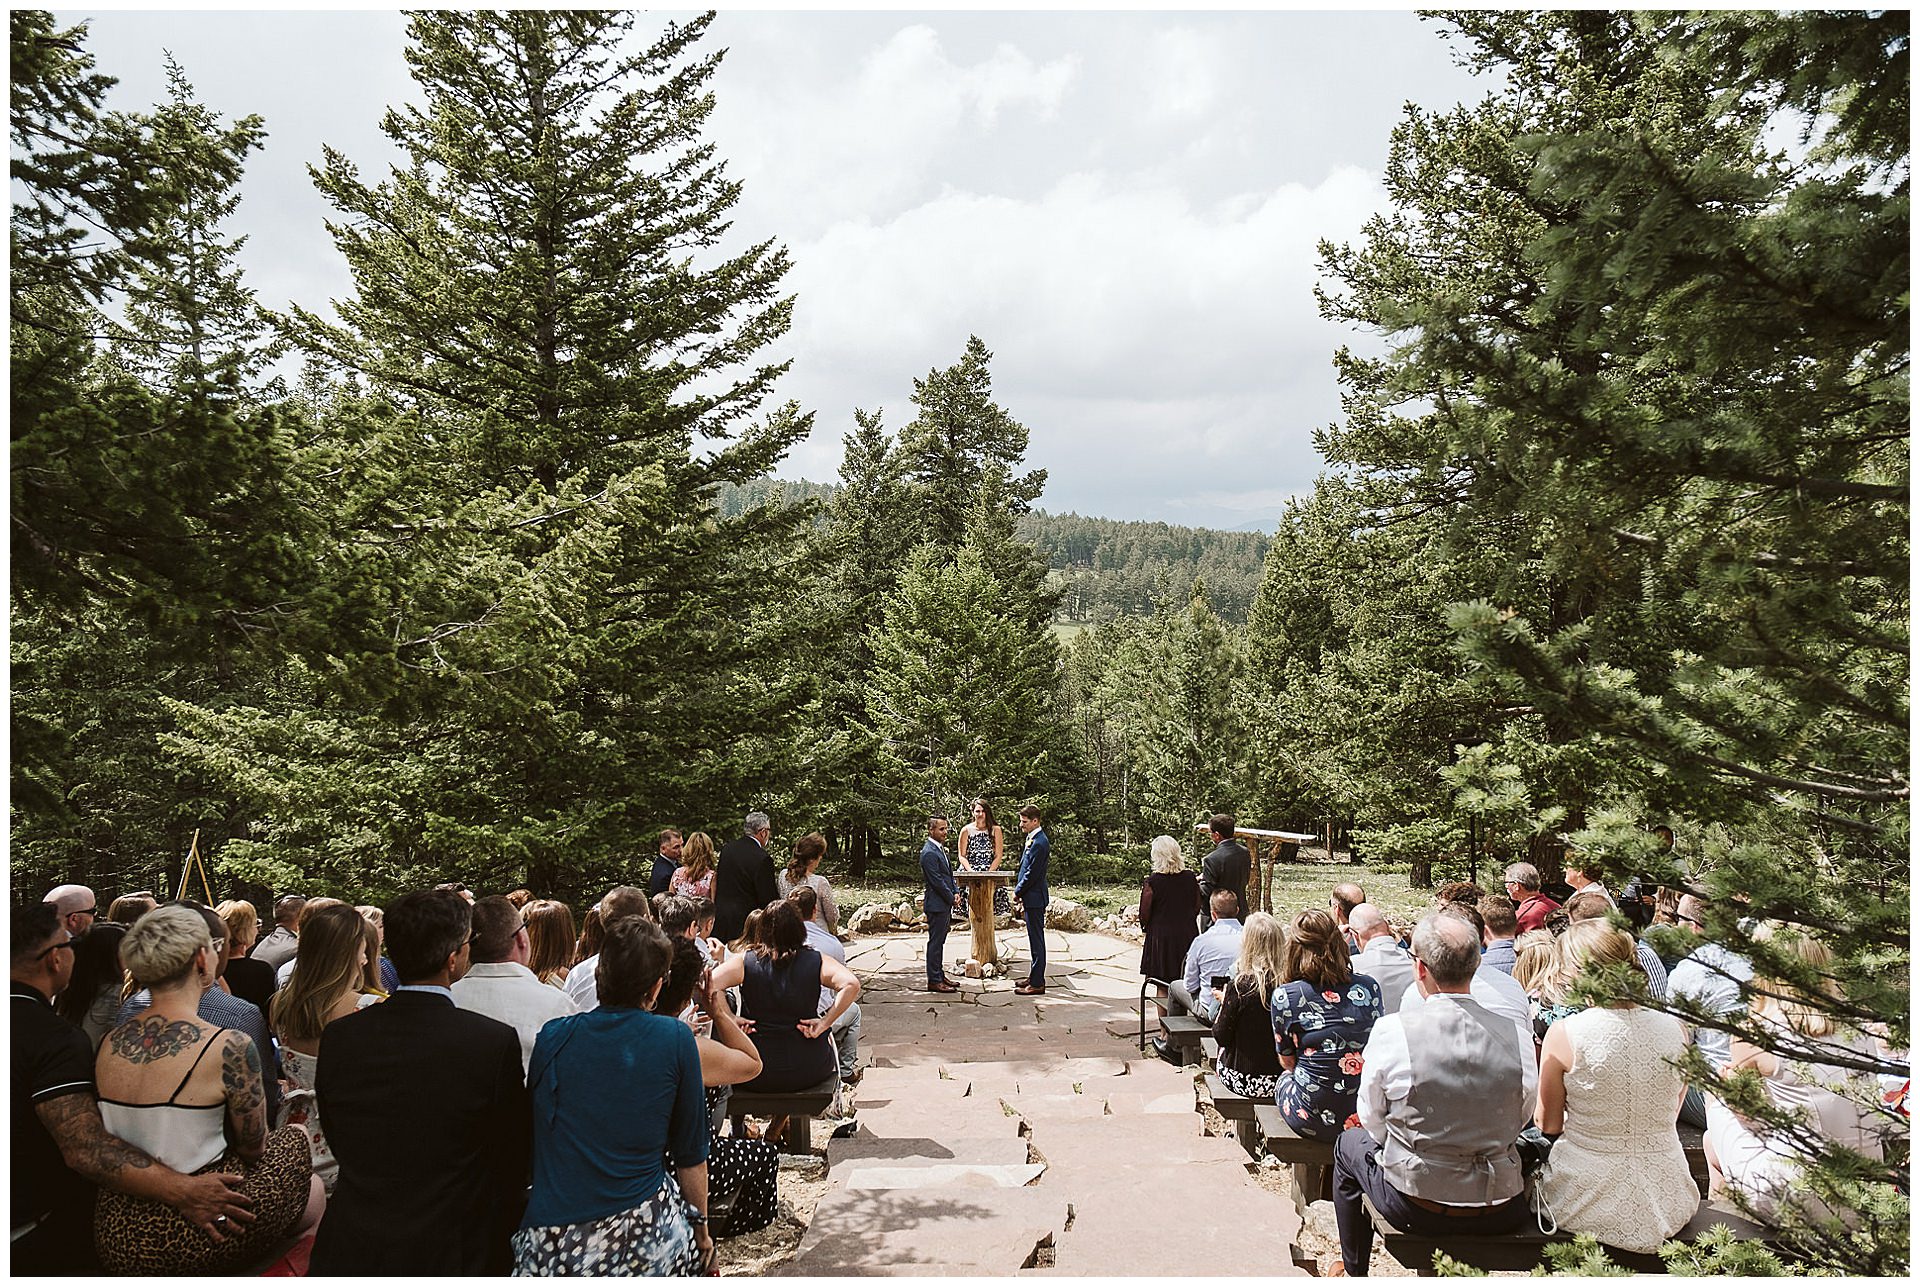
1028, 990
944, 985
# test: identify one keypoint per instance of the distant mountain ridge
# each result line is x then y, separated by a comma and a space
1104, 567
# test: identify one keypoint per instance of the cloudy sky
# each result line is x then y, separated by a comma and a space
1124, 206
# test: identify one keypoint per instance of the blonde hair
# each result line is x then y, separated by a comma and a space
1594, 942
316, 905
1166, 854
1793, 1007
241, 920
697, 856
1536, 955
161, 946
370, 972
331, 941
1263, 947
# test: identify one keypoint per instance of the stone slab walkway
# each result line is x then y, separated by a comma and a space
1000, 1134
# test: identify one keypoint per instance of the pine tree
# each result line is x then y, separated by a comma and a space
961, 443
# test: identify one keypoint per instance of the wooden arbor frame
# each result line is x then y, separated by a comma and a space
1281, 846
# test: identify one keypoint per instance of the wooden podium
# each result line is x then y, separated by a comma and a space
980, 886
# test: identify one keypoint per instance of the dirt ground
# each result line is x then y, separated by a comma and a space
802, 1181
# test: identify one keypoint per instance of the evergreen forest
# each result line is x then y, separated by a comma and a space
481, 574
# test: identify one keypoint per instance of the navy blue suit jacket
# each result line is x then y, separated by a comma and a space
1030, 886
942, 891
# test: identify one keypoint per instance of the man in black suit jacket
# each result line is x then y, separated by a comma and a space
745, 879
427, 1113
1227, 867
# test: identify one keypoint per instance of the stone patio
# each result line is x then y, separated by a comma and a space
1000, 1134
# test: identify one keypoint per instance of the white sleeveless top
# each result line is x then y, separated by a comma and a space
183, 1136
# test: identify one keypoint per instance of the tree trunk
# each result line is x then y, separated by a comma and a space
859, 839
1421, 875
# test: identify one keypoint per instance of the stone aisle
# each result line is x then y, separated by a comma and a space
1003, 1134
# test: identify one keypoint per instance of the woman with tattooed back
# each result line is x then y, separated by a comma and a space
191, 1094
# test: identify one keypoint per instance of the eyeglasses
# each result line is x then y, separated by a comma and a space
67, 943
93, 911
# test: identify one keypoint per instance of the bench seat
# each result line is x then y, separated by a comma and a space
800, 1106
1526, 1248
1311, 1161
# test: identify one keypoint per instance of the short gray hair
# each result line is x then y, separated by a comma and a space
1524, 874
1448, 947
757, 822
1166, 854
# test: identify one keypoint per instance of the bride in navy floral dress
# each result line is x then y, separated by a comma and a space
1322, 1017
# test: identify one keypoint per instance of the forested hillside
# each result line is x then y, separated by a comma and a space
1102, 568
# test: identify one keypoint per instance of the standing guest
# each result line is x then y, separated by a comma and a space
592, 931
1169, 912
603, 1202
1321, 1016
457, 887
747, 1171
284, 974
1607, 1079
695, 876
780, 980
278, 947
334, 946
1716, 979
1500, 925
942, 893
746, 878
128, 908
1249, 1061
808, 850
1345, 897
427, 1114
77, 906
621, 901
1229, 866
61, 1148
499, 985
711, 947
666, 861
370, 985
222, 1009
246, 978
1589, 905
91, 1001
550, 941
846, 1029
1210, 956
981, 846
381, 976
161, 1093
1445, 1089
1531, 907
520, 898
1030, 887
1381, 957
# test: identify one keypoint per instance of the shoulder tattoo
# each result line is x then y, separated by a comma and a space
147, 1037
240, 1075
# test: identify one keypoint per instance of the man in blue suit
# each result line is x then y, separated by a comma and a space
1030, 887
941, 895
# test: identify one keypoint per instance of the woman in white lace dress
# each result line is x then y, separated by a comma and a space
325, 987
1608, 1088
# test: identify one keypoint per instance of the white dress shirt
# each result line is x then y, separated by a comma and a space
582, 988
1389, 965
1386, 1075
516, 997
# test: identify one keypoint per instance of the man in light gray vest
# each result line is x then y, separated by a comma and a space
1445, 1089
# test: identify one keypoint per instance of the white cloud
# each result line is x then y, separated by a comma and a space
1185, 75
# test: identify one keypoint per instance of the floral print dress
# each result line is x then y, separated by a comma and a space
1324, 1031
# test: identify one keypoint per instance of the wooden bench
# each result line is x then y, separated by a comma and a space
1209, 1053
1185, 1033
1526, 1248
800, 1107
1238, 1110
1311, 1161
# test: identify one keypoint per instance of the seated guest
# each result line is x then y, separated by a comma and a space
1381, 957
499, 985
1531, 907
666, 861
284, 973
1321, 1015
1496, 915
1169, 912
1249, 1064
427, 1114
804, 869
1608, 1081
695, 875
520, 898
334, 946
61, 1149
1209, 957
223, 1010
1580, 880
382, 979
1345, 897
846, 1029
1492, 988
603, 1203
780, 980
550, 941
592, 931
1458, 891
160, 1093
747, 1169
621, 900
1445, 1090
703, 918
1715, 979
246, 978
91, 1001
128, 908
1837, 1105
278, 947
1536, 956
1588, 905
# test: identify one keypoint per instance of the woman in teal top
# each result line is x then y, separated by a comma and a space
614, 1090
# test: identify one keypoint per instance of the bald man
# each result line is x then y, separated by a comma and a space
77, 906
1380, 954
